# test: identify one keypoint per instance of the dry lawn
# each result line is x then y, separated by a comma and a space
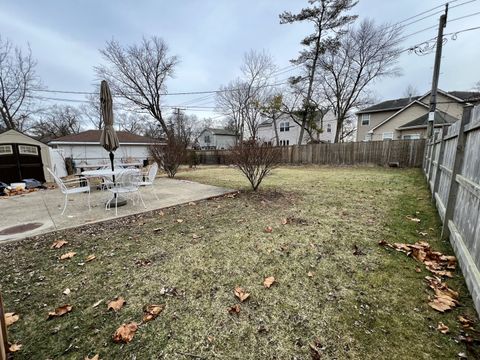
371, 305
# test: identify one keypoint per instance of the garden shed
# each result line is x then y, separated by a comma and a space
23, 157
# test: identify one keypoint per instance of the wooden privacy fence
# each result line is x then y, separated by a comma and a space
405, 153
452, 169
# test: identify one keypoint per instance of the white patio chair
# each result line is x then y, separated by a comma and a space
126, 184
149, 178
72, 186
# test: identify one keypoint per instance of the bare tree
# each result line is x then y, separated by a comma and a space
57, 121
329, 21
241, 99
91, 112
365, 54
184, 127
18, 81
254, 160
138, 73
410, 91
272, 110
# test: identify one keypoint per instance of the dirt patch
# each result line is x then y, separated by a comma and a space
18, 229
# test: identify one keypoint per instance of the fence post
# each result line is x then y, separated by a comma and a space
3, 332
457, 168
438, 170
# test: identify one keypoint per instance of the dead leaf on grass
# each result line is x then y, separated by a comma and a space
96, 357
241, 294
67, 291
125, 333
60, 311
195, 236
57, 244
268, 282
11, 318
310, 274
268, 229
418, 270
357, 251
466, 322
14, 347
413, 218
234, 309
161, 213
179, 221
90, 258
116, 304
445, 298
423, 233
316, 350
68, 255
284, 221
97, 303
192, 203
443, 328
150, 312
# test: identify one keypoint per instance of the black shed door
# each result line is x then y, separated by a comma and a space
20, 161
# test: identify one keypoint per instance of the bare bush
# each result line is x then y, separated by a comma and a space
169, 156
254, 160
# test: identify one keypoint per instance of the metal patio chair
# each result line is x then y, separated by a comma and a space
149, 178
72, 186
126, 184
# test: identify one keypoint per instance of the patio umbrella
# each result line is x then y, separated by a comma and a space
108, 139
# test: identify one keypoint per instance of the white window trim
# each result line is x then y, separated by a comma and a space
362, 119
7, 152
284, 126
23, 152
417, 136
387, 137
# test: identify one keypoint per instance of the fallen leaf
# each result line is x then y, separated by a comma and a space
179, 221
97, 303
268, 282
116, 304
90, 258
418, 270
195, 236
11, 318
58, 244
210, 338
125, 332
96, 357
466, 322
192, 203
412, 218
316, 350
15, 347
442, 328
357, 251
161, 213
66, 291
310, 274
68, 255
234, 309
60, 311
150, 312
423, 233
241, 294
268, 229
284, 221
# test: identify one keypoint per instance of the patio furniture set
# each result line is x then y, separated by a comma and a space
121, 182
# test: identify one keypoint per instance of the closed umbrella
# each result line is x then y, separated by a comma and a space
108, 139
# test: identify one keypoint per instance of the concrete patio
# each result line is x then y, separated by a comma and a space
40, 212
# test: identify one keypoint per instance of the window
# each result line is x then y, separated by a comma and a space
27, 150
6, 150
329, 128
284, 126
366, 119
284, 142
387, 136
411, 137
207, 139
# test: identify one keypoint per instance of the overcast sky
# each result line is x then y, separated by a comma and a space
210, 37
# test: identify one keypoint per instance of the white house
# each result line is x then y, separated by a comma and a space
218, 139
85, 149
289, 131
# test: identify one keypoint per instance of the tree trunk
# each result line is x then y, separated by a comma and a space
277, 140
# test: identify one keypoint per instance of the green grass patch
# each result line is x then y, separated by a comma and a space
357, 307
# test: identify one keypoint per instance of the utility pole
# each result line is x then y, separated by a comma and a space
436, 73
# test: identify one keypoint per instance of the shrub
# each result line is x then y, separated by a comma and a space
169, 156
255, 160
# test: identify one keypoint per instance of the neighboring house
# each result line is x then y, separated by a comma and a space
23, 157
217, 139
289, 131
84, 148
407, 118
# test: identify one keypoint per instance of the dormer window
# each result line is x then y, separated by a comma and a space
284, 126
